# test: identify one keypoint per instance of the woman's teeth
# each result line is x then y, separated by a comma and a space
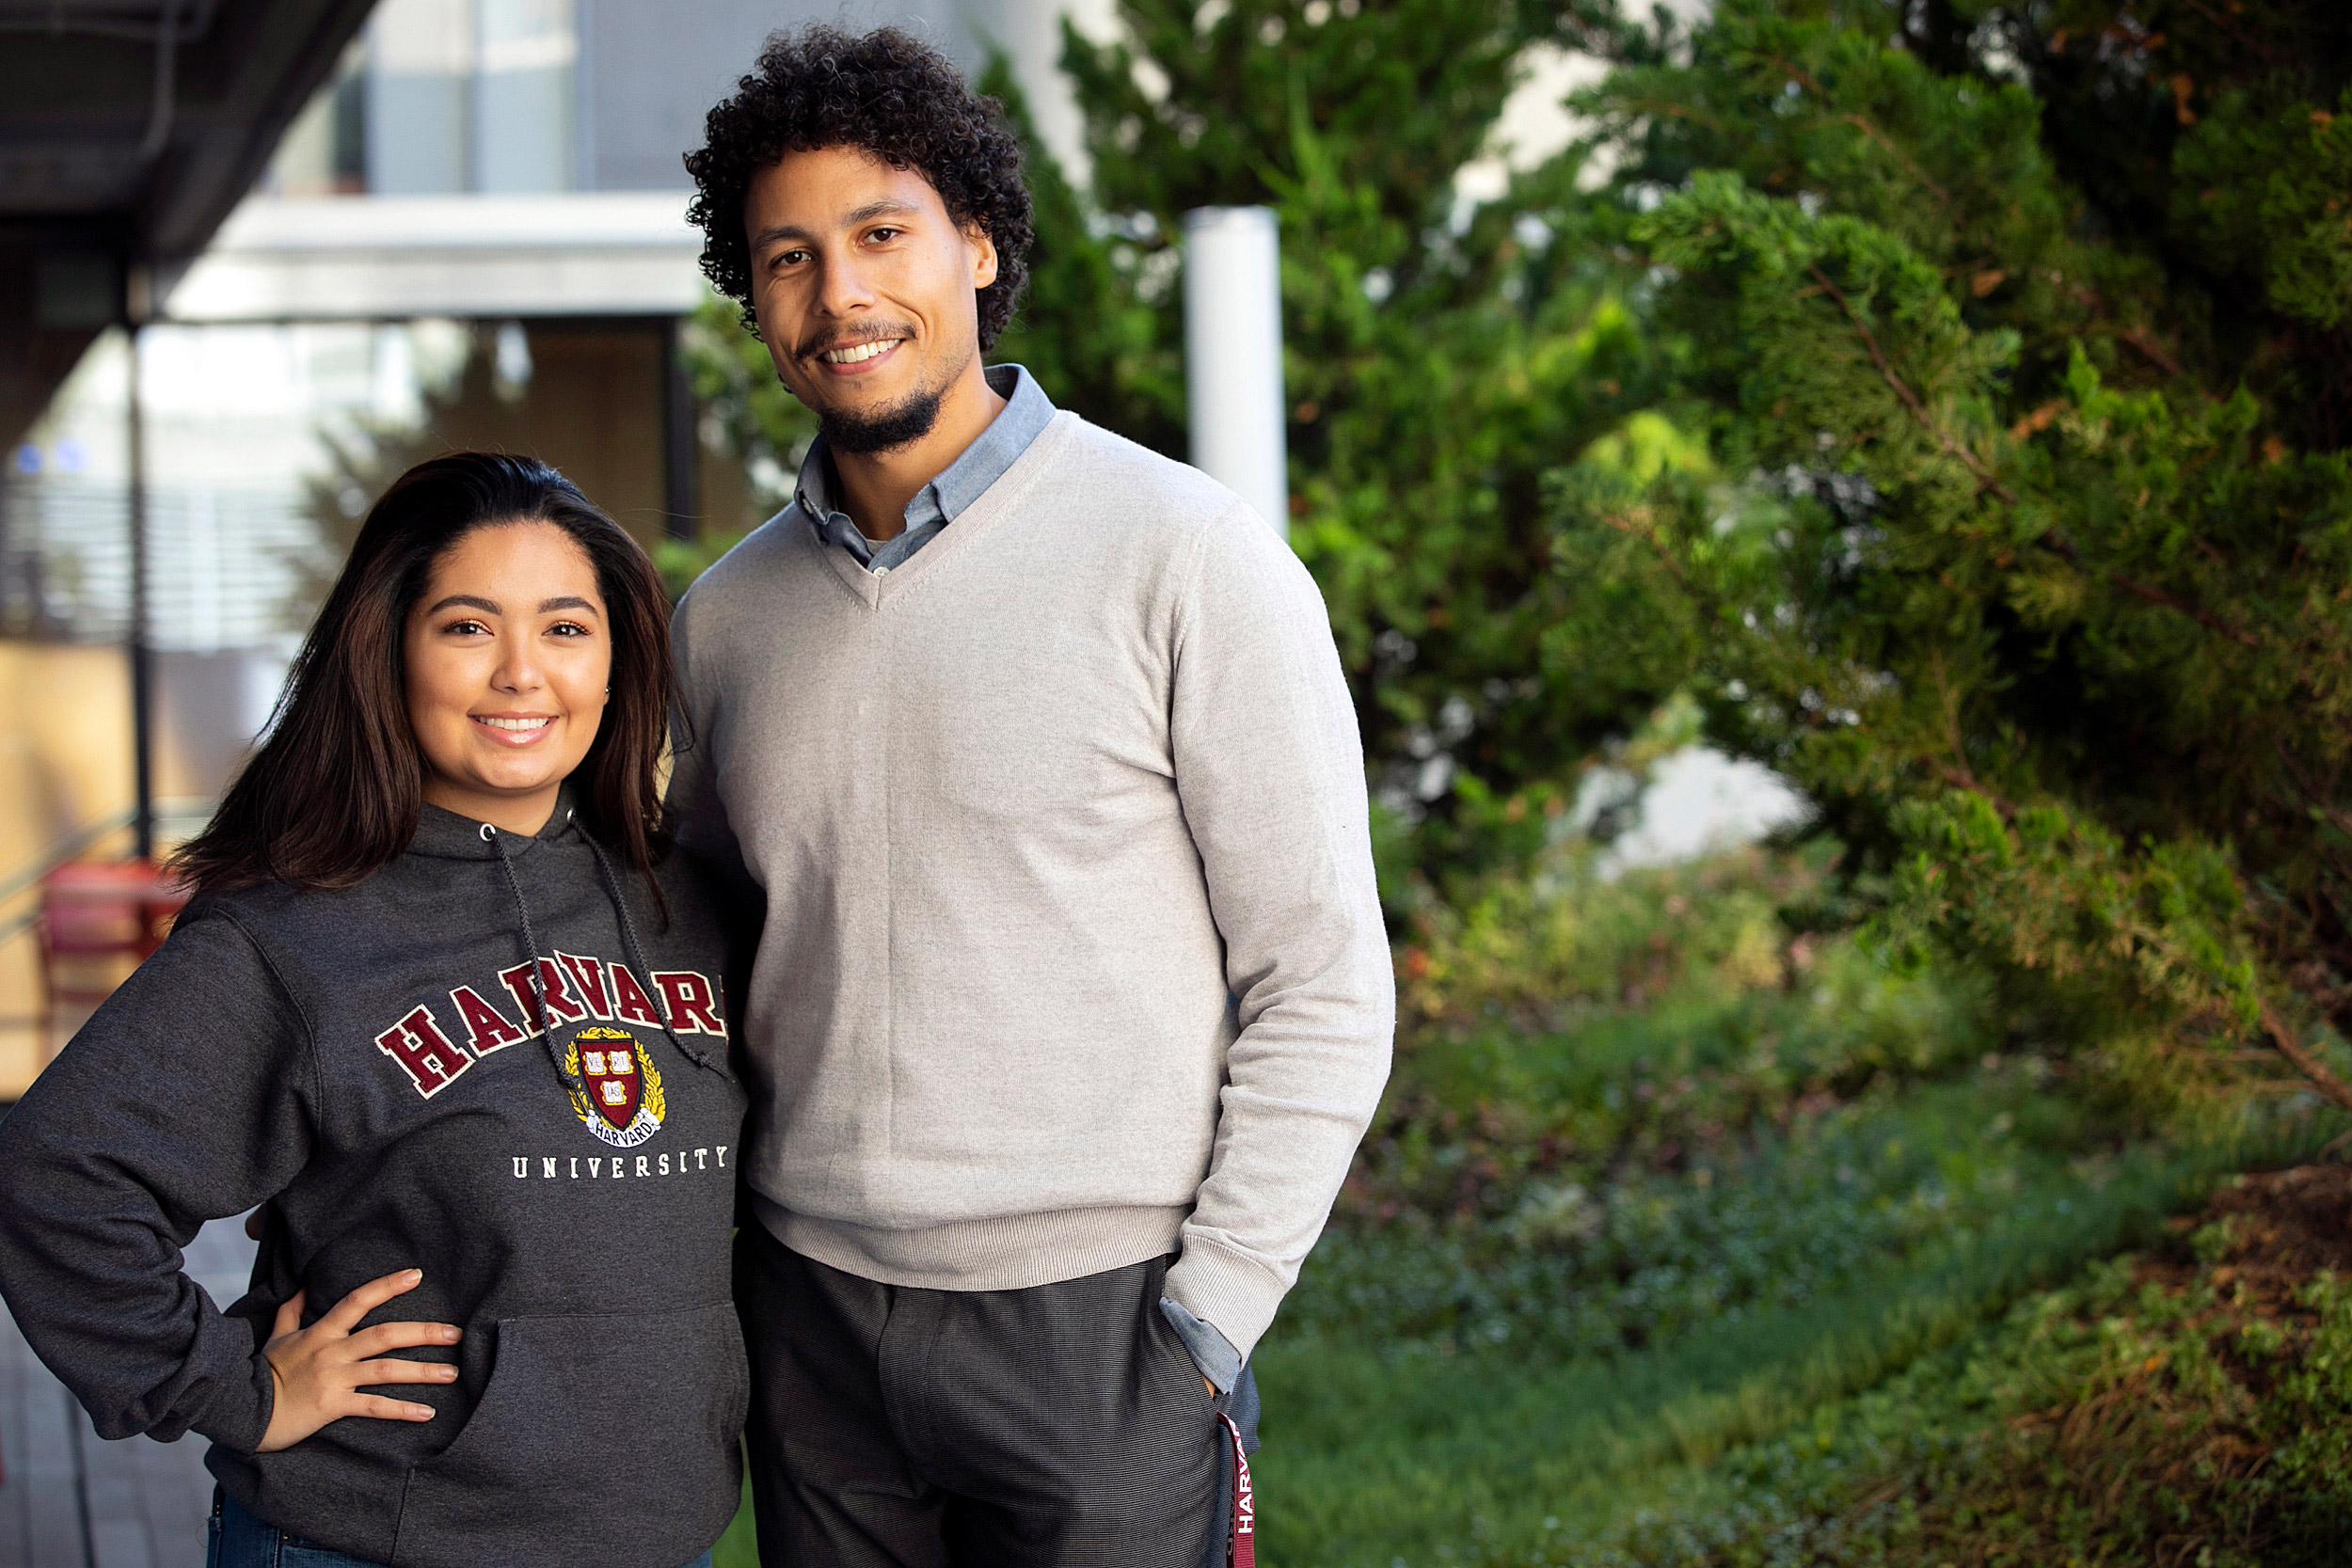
514, 723
855, 355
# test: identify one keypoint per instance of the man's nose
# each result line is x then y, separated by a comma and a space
845, 288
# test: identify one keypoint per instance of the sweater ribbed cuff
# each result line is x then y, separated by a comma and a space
1223, 1285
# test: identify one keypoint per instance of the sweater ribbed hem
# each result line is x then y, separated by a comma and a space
1010, 1254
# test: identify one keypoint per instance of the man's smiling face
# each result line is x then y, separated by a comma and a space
866, 292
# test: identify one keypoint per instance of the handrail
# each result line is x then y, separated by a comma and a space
75, 843
21, 924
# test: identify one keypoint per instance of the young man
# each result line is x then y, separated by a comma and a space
1073, 998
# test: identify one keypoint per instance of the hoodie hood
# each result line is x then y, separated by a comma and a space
444, 834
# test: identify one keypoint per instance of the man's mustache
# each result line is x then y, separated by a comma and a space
823, 343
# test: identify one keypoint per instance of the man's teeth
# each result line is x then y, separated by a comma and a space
514, 723
854, 355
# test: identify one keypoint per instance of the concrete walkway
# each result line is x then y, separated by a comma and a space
68, 1499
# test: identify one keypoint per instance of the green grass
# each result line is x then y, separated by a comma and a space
2192, 1405
1374, 1456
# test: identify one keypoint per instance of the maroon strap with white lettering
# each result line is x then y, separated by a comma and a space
1245, 1550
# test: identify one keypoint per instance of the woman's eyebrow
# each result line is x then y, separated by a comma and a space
471, 601
568, 601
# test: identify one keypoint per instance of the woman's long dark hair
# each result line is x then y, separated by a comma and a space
333, 794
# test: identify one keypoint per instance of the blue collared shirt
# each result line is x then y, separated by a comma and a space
1027, 412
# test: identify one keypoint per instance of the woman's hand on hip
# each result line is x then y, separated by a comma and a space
317, 1372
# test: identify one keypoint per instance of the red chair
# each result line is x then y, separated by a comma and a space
92, 914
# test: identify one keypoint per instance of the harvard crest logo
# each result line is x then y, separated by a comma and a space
624, 1104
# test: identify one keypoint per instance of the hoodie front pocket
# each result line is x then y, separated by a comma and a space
601, 1442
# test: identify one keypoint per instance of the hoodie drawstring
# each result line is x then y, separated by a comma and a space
637, 954
538, 965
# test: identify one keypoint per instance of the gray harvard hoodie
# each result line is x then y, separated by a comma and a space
369, 1063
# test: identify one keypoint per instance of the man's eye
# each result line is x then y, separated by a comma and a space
886, 233
790, 258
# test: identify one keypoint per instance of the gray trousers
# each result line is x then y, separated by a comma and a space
1061, 1425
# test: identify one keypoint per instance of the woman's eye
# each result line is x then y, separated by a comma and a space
567, 628
466, 628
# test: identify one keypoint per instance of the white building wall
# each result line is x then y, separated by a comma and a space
548, 95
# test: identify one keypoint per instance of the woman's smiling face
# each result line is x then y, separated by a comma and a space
508, 653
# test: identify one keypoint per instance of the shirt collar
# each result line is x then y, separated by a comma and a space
1027, 413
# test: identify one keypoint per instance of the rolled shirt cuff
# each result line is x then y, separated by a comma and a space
1214, 1355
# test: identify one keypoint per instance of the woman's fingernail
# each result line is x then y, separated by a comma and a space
421, 1412
413, 1275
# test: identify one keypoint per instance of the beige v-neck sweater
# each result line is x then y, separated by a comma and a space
1073, 956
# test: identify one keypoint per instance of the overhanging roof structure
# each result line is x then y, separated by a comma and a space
604, 253
128, 131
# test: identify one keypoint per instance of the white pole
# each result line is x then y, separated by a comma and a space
1233, 354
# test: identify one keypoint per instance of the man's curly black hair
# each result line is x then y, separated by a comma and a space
889, 93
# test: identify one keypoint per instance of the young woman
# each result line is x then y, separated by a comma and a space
442, 1007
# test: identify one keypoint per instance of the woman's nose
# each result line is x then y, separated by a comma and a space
517, 670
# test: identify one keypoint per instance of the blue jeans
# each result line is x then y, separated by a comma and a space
238, 1540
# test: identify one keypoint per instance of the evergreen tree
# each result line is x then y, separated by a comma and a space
2016, 341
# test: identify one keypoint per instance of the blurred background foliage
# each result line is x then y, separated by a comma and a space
1942, 403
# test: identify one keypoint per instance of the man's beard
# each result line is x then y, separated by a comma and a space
902, 426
